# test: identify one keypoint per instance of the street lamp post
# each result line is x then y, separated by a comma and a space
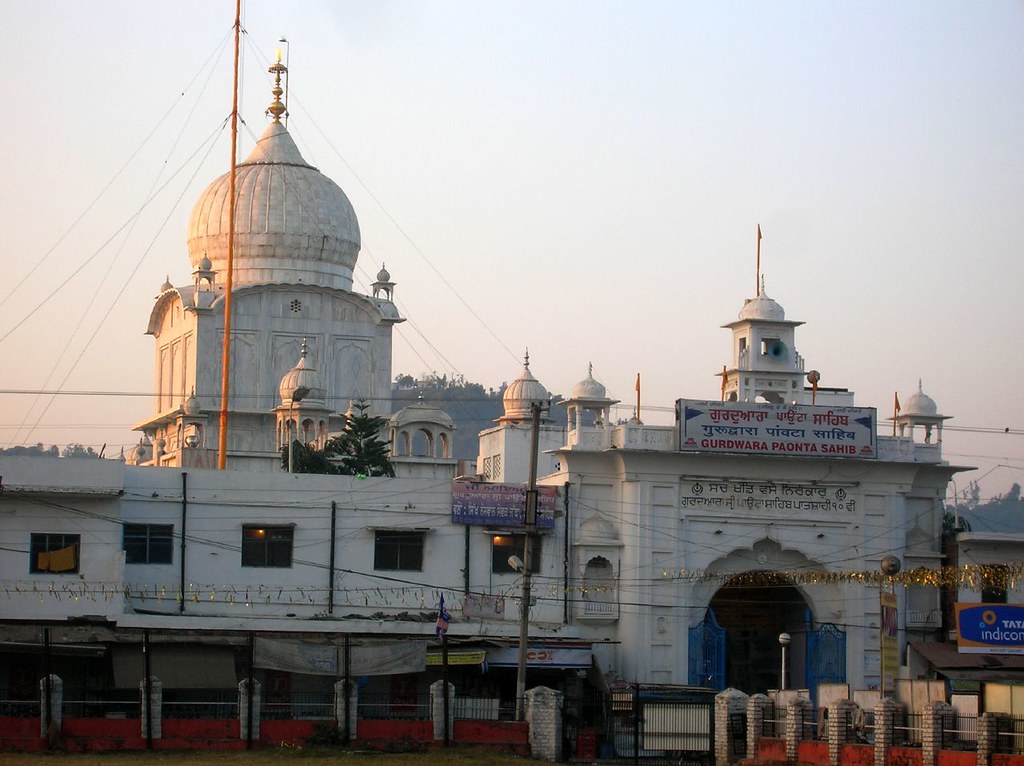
297, 396
784, 639
531, 528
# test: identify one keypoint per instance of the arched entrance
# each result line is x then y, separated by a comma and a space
753, 609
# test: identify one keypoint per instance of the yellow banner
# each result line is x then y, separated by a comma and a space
458, 658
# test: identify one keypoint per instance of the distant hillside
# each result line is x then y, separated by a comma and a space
472, 406
1003, 513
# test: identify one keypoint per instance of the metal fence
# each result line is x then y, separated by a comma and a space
301, 706
1009, 735
200, 703
387, 707
111, 707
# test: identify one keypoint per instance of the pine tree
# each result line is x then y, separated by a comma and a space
357, 451
361, 450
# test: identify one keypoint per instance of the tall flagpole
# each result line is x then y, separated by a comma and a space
757, 280
638, 397
225, 386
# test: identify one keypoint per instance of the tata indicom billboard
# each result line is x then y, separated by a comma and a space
990, 628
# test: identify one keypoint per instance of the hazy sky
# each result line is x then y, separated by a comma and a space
581, 178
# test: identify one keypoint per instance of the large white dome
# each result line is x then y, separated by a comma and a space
292, 223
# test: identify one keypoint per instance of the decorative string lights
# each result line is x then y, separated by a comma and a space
968, 577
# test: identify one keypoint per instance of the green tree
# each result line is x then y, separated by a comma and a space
359, 448
357, 451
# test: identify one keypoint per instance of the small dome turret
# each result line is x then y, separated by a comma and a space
920, 404
588, 388
302, 382
762, 307
521, 394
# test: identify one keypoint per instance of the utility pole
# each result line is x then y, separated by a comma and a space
531, 529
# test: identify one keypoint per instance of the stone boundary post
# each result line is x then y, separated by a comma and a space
759, 707
886, 712
728, 704
988, 735
152, 708
353, 706
796, 722
437, 710
840, 717
544, 717
935, 718
56, 705
243, 709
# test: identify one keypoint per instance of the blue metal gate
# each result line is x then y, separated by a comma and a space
707, 654
826, 657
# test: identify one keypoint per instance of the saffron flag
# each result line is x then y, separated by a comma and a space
759, 232
896, 403
442, 618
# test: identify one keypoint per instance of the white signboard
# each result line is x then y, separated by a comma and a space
793, 430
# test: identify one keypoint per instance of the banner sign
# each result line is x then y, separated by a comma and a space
383, 659
482, 607
500, 505
794, 430
541, 656
990, 628
759, 495
888, 643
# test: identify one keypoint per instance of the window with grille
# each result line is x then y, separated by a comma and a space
56, 553
267, 546
398, 550
148, 543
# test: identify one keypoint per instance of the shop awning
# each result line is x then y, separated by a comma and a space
178, 667
554, 656
944, 658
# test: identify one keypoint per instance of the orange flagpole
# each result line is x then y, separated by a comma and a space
225, 385
895, 410
638, 397
757, 280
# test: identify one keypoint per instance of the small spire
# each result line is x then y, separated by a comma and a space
526, 359
303, 349
277, 107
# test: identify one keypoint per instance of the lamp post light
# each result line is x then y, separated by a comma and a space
297, 396
784, 639
531, 527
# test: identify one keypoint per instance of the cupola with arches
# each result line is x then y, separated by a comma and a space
421, 430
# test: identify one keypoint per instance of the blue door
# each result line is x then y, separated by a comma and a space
826, 657
707, 654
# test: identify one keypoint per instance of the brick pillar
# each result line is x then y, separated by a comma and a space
353, 705
840, 730
988, 735
544, 717
437, 710
153, 707
759, 707
935, 718
730, 705
796, 722
243, 709
56, 707
886, 712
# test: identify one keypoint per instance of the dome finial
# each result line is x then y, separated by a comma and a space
277, 107
303, 349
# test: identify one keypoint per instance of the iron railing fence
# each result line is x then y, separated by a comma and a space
200, 703
387, 707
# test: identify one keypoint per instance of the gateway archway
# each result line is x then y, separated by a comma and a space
752, 611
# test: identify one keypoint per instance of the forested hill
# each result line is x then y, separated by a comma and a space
1002, 513
473, 407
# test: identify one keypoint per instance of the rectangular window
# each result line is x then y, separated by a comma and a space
398, 550
54, 553
148, 543
505, 546
267, 546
